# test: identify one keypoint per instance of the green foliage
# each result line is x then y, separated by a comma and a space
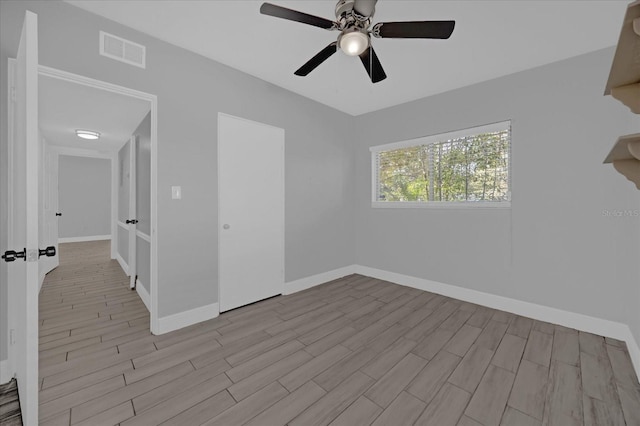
473, 168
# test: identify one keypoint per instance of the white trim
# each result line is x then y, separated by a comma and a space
122, 225
144, 294
187, 318
12, 64
114, 204
82, 239
123, 264
442, 137
314, 280
491, 205
574, 320
153, 101
143, 236
5, 372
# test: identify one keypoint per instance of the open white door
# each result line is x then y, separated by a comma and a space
126, 250
23, 221
251, 211
132, 221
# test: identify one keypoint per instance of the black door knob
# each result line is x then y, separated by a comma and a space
58, 214
49, 251
134, 221
11, 255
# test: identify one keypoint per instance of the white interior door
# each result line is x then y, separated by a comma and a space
132, 211
251, 211
126, 229
23, 220
49, 234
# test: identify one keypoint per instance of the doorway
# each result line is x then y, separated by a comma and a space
251, 211
120, 112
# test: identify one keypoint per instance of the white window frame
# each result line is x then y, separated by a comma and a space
426, 140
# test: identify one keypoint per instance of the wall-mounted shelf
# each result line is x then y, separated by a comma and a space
624, 85
625, 156
624, 78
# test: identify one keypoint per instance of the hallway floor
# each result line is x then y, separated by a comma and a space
354, 351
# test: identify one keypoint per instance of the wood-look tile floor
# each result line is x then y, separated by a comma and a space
10, 405
354, 351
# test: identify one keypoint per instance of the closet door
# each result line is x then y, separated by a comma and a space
251, 211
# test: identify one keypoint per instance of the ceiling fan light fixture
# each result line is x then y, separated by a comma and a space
353, 43
87, 134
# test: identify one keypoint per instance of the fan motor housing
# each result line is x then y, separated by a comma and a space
344, 6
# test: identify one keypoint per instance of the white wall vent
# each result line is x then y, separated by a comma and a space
122, 50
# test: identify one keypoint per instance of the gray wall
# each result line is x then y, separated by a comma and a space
554, 246
84, 194
191, 91
143, 199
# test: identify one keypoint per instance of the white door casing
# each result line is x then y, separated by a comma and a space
123, 161
251, 211
23, 275
49, 234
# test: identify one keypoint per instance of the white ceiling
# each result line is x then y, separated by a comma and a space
64, 107
491, 39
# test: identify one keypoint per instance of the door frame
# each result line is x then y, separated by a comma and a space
284, 196
153, 103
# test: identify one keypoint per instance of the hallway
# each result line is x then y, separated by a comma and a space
91, 327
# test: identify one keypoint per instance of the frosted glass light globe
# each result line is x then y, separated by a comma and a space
354, 43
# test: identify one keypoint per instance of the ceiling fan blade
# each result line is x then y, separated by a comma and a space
414, 29
294, 15
313, 63
365, 7
372, 65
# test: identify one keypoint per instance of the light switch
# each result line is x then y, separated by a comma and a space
176, 192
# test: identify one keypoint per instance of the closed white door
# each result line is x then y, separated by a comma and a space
251, 211
23, 221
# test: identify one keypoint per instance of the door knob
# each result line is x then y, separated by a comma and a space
11, 255
58, 214
49, 251
226, 226
134, 221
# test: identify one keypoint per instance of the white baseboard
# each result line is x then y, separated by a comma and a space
83, 239
144, 295
574, 320
187, 318
5, 374
314, 280
123, 264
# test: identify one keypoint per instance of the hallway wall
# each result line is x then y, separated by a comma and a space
84, 194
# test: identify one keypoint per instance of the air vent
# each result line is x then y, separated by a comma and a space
122, 50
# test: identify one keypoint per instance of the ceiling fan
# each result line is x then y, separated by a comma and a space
353, 19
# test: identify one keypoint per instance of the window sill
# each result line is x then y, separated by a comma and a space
441, 205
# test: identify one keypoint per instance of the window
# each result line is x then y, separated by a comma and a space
465, 168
